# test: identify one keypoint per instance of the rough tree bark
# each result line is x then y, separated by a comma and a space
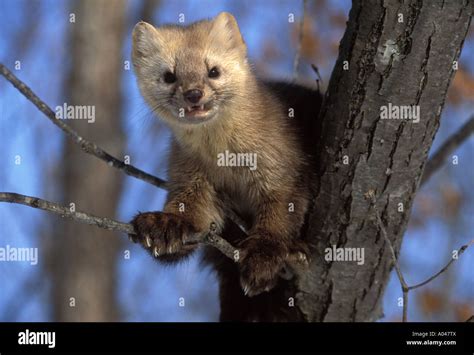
83, 259
402, 63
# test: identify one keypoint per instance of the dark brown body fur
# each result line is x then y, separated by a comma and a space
275, 305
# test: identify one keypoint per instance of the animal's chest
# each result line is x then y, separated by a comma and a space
239, 184
233, 169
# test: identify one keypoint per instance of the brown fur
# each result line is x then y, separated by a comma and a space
245, 116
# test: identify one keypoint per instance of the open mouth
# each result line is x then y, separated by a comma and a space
197, 113
196, 110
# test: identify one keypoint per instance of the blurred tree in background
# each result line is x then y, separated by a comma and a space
82, 260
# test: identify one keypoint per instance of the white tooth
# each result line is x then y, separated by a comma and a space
202, 107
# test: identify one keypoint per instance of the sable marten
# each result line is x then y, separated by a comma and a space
239, 144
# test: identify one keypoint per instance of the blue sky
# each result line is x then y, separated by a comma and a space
26, 133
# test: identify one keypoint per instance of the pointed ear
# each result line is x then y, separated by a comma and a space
145, 40
225, 27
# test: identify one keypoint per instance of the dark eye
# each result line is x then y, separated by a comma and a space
169, 77
214, 73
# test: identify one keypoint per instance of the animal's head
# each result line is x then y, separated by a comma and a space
188, 74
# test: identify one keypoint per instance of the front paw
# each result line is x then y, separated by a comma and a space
167, 236
261, 263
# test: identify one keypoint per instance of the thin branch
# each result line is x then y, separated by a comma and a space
66, 212
405, 287
318, 79
428, 280
84, 144
296, 61
295, 263
210, 238
371, 195
447, 148
214, 239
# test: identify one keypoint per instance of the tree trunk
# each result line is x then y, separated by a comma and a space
400, 54
83, 258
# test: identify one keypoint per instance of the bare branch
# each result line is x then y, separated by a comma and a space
459, 252
318, 76
448, 147
65, 212
296, 261
210, 238
84, 144
296, 61
405, 288
371, 195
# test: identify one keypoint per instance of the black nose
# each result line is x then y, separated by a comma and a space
193, 96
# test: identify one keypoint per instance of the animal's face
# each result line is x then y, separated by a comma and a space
189, 74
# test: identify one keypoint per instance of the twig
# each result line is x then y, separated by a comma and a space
210, 238
35, 202
428, 280
448, 147
296, 61
405, 287
84, 144
318, 79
